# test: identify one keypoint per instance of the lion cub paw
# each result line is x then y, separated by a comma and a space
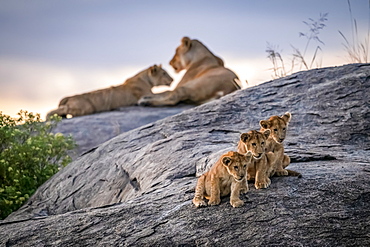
244, 189
281, 173
262, 185
214, 202
236, 203
199, 203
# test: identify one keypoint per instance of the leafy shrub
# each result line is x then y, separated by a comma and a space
29, 155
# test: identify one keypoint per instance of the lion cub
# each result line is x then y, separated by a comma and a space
278, 127
227, 176
261, 167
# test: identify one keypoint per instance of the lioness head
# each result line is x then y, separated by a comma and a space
189, 51
255, 142
159, 76
277, 125
236, 164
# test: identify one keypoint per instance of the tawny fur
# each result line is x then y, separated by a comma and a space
227, 176
205, 79
107, 99
261, 168
278, 127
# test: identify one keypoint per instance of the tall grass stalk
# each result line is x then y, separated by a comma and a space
358, 51
298, 58
276, 60
314, 28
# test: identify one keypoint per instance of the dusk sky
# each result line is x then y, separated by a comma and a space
52, 49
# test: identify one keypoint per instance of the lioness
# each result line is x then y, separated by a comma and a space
226, 176
278, 127
205, 78
261, 167
111, 98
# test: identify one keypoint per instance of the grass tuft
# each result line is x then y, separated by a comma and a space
298, 58
358, 51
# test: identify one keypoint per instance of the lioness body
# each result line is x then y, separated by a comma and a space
278, 127
107, 99
206, 77
261, 168
227, 176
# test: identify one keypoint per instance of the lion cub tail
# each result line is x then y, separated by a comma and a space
294, 173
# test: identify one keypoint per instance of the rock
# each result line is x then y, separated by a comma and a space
136, 189
92, 130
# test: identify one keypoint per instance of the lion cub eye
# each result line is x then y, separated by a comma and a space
283, 128
254, 144
236, 168
275, 130
262, 143
245, 166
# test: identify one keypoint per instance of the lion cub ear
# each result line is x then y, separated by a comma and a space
286, 117
266, 133
248, 156
186, 41
153, 70
265, 124
226, 161
244, 137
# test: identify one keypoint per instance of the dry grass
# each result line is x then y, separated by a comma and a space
300, 59
277, 61
357, 50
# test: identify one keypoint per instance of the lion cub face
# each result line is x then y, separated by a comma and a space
255, 142
159, 76
277, 126
236, 164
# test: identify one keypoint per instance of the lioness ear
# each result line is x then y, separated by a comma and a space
219, 60
265, 124
153, 69
286, 117
244, 137
266, 133
226, 161
186, 41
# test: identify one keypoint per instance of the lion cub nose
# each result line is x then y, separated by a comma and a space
281, 139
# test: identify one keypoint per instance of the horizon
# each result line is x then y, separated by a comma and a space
53, 49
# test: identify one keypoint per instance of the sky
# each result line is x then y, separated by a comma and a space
51, 49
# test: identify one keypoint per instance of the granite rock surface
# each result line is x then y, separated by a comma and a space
92, 130
136, 188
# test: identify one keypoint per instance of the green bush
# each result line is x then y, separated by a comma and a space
29, 155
